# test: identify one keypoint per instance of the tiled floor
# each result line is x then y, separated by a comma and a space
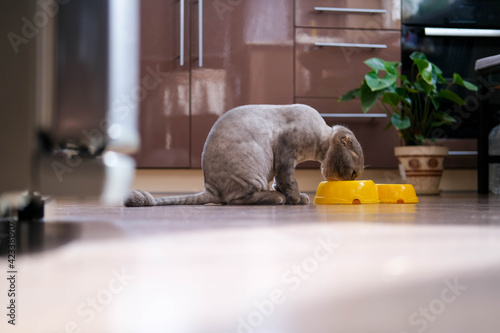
431, 267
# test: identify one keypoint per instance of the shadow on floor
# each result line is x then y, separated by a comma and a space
19, 237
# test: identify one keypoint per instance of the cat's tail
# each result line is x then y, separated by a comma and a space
143, 198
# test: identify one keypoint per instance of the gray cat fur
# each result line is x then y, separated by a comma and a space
252, 145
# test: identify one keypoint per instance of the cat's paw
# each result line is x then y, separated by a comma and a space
298, 199
304, 199
139, 199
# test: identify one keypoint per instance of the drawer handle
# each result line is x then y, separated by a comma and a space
350, 10
353, 115
462, 153
357, 45
200, 33
181, 37
456, 32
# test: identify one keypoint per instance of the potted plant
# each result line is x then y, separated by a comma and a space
413, 105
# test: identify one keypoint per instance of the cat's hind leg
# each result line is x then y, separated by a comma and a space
260, 198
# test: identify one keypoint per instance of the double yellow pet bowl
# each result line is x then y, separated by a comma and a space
363, 192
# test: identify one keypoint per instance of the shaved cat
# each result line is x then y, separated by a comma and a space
251, 145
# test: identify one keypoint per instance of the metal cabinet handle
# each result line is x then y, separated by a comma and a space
350, 10
182, 32
462, 153
457, 32
200, 33
353, 115
357, 45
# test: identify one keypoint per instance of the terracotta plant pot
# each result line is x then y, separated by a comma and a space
422, 166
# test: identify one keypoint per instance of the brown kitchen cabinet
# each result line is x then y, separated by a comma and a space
164, 118
332, 40
234, 53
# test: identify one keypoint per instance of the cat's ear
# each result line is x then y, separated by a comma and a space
347, 142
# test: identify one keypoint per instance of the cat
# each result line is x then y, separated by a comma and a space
251, 145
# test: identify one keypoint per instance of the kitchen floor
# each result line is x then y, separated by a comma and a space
430, 267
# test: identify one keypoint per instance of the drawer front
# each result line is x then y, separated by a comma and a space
378, 145
463, 153
331, 71
361, 14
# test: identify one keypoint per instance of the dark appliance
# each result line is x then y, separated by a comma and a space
453, 34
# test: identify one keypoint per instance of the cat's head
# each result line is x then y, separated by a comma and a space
344, 158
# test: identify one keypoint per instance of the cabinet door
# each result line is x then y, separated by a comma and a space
247, 58
164, 86
337, 67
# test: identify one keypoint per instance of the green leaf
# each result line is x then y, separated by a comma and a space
375, 83
393, 63
375, 63
400, 123
396, 97
423, 86
382, 65
391, 98
441, 78
450, 95
404, 80
355, 93
436, 101
418, 55
437, 123
457, 79
368, 97
436, 69
403, 92
425, 70
438, 73
449, 119
443, 118
420, 137
470, 86
446, 118
391, 67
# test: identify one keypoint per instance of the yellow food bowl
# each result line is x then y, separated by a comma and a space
397, 193
346, 192
363, 192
